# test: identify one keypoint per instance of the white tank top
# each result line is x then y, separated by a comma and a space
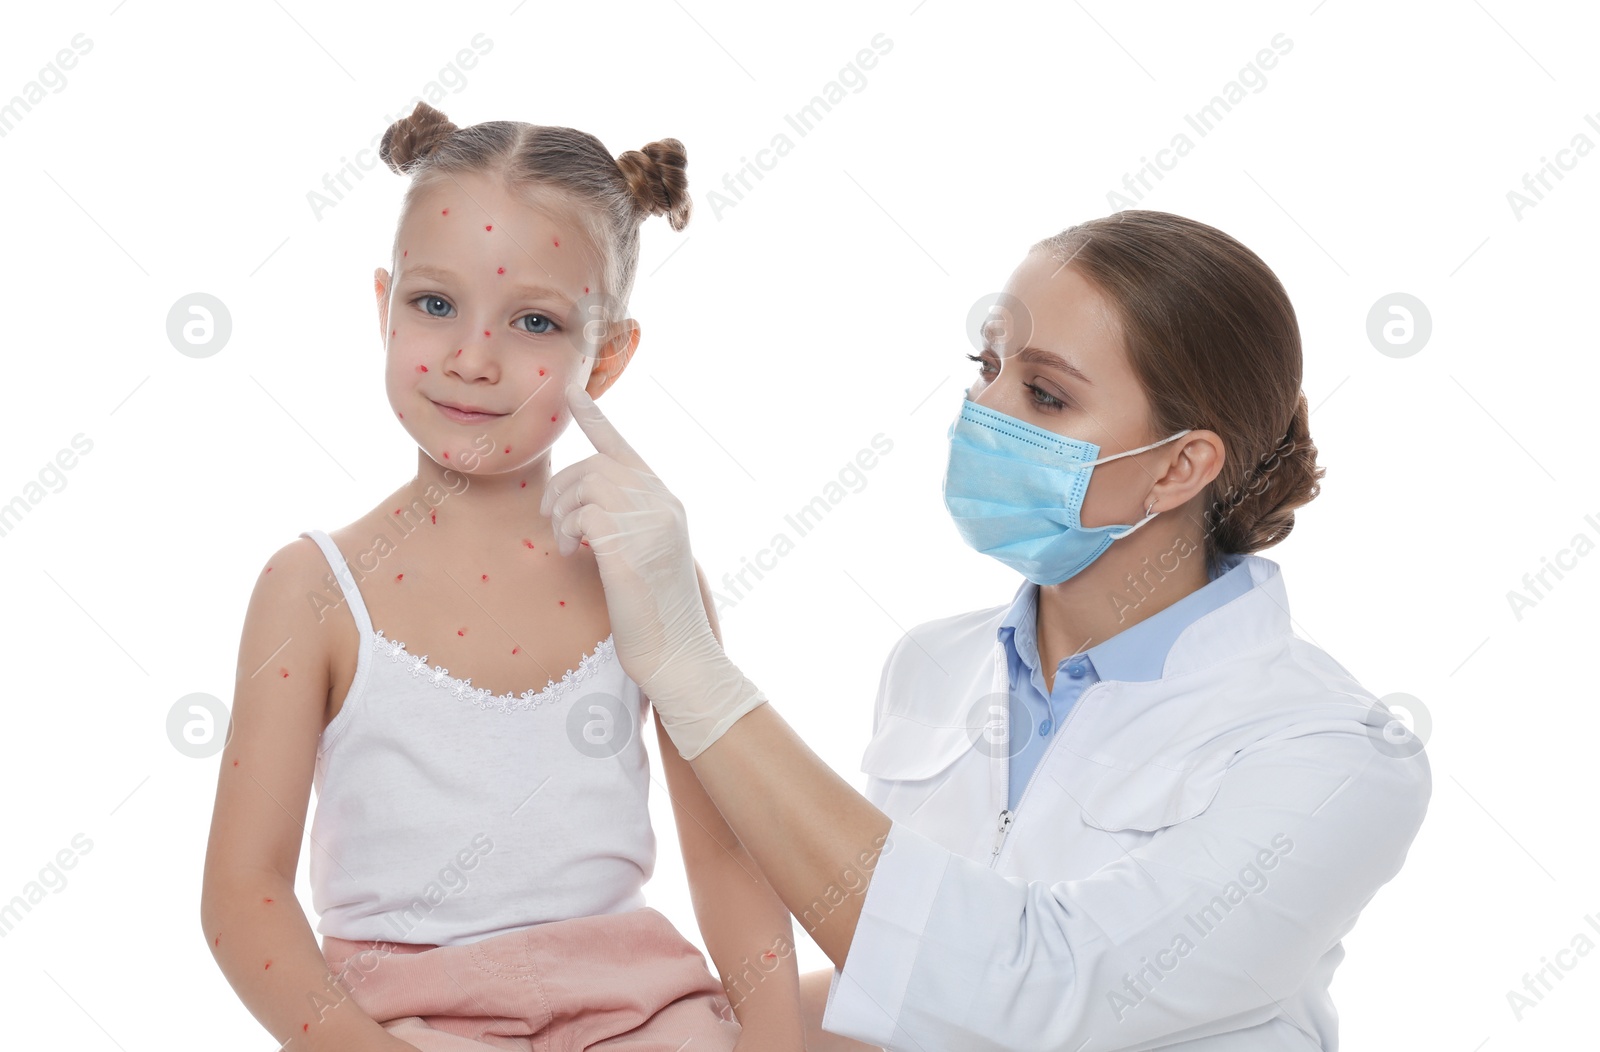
447, 814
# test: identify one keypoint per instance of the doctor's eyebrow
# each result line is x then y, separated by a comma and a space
426, 270
1043, 357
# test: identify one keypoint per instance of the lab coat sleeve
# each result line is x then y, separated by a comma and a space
1202, 929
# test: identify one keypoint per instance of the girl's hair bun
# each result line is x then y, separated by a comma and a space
658, 178
409, 140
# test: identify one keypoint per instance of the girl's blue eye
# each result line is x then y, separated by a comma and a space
428, 299
436, 299
549, 324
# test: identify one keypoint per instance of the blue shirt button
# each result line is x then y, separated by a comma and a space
1075, 670
1044, 728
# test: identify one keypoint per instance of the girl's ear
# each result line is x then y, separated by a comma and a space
613, 358
380, 285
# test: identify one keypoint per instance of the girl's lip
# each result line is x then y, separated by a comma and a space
465, 417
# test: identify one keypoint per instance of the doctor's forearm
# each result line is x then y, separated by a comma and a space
815, 838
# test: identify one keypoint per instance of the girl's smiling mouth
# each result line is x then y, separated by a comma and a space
464, 414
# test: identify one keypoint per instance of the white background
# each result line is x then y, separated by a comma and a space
779, 336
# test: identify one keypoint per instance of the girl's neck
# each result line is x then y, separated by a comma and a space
479, 511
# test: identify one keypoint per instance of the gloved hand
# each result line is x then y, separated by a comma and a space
640, 537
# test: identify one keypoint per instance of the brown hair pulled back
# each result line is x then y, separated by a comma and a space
563, 168
1214, 341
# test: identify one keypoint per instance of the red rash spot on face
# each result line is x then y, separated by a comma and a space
461, 631
508, 449
447, 456
563, 602
552, 419
399, 577
283, 672
459, 350
525, 542
502, 270
485, 577
445, 212
422, 368
514, 651
557, 240
216, 941
541, 372
586, 289
524, 485
305, 1026
268, 965
433, 517
488, 226
486, 332
266, 900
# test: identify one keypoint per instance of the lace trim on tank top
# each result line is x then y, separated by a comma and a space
484, 698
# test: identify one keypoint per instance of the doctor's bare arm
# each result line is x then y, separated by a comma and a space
253, 924
745, 927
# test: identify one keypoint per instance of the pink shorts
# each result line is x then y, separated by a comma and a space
622, 981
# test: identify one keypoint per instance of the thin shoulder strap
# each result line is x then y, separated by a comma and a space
347, 583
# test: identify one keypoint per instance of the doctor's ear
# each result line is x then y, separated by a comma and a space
1197, 459
613, 356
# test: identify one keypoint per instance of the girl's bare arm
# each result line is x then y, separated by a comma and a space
745, 926
253, 923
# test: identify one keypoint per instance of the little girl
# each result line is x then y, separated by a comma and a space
480, 846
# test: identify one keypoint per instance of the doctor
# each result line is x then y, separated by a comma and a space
1127, 809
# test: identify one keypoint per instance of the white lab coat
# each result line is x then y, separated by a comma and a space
1178, 873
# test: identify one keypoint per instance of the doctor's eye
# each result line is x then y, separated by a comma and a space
983, 364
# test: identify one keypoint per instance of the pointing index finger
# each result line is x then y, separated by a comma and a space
605, 438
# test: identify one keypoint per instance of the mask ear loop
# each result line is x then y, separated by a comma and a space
1150, 511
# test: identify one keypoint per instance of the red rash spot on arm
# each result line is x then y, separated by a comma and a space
525, 542
401, 415
269, 569
406, 253
584, 543
305, 1026
236, 763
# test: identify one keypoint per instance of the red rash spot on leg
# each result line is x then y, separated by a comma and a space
401, 415
584, 543
269, 569
305, 1026
406, 253
236, 763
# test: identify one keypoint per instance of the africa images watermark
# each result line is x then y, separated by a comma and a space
1203, 121
737, 183
803, 520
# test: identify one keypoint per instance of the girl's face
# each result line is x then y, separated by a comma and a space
491, 311
1053, 357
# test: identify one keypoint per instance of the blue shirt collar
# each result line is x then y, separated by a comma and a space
1138, 652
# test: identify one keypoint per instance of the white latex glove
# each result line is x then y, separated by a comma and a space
640, 537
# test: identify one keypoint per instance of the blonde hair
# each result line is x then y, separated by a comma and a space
562, 169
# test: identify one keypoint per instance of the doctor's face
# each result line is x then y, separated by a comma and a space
1053, 356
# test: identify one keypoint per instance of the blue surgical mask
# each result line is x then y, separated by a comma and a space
1016, 492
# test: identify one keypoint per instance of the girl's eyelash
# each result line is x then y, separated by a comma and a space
1043, 399
554, 325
